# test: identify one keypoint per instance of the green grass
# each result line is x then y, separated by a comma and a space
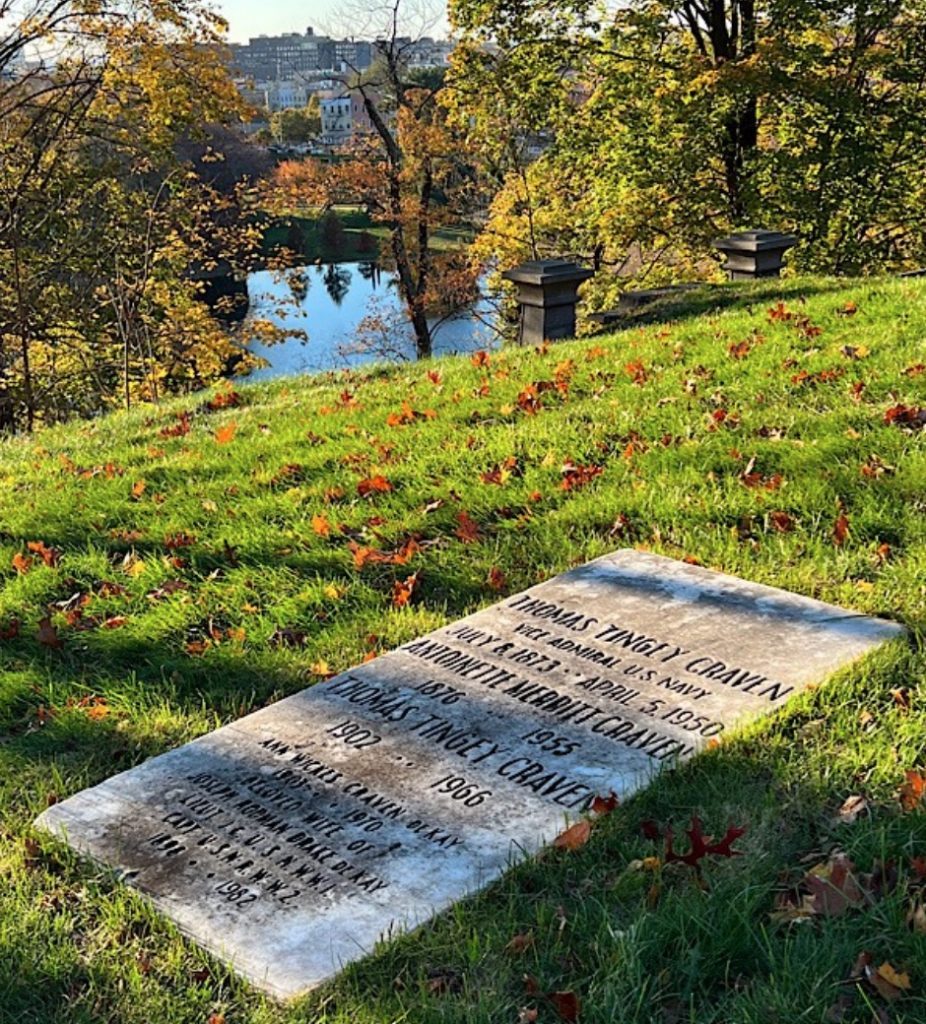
77, 947
356, 223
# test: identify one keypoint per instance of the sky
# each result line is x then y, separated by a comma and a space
247, 18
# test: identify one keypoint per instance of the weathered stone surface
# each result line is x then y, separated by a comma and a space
289, 841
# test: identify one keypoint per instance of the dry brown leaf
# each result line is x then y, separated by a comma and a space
916, 918
890, 983
575, 837
468, 529
851, 808
911, 792
834, 887
22, 563
47, 635
520, 943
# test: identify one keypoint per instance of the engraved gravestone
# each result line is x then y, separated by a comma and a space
289, 841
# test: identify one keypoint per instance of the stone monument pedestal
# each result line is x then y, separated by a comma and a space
752, 254
547, 296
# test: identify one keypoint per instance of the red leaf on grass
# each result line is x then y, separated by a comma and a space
181, 539
781, 521
468, 529
179, 429
701, 845
605, 804
566, 1005
835, 888
50, 556
779, 312
636, 371
906, 415
11, 630
650, 830
227, 399
724, 848
576, 476
373, 485
497, 579
224, 435
840, 530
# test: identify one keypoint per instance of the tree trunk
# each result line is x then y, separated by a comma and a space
741, 138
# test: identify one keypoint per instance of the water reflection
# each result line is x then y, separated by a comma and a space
337, 283
352, 315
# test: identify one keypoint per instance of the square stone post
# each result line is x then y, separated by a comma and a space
752, 254
547, 297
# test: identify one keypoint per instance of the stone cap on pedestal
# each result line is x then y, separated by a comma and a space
755, 241
542, 272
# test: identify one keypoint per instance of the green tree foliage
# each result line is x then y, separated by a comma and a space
296, 126
107, 236
633, 139
331, 232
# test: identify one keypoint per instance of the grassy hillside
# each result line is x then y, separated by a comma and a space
169, 570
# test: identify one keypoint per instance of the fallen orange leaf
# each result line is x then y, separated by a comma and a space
225, 434
575, 837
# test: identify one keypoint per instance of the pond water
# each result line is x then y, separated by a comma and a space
335, 305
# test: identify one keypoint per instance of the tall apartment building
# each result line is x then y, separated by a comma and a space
273, 58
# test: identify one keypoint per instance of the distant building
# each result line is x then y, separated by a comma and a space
419, 53
351, 55
293, 55
360, 119
337, 122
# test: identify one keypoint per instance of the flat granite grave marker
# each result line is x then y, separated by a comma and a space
289, 841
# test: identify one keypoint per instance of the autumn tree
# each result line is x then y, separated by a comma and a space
633, 138
407, 167
102, 222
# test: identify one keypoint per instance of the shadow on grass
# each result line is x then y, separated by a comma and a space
716, 298
632, 942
